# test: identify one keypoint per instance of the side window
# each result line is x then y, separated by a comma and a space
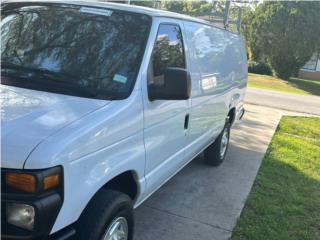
168, 52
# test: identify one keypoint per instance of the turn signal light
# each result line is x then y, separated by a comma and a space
51, 181
21, 181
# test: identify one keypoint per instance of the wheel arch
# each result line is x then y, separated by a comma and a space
126, 182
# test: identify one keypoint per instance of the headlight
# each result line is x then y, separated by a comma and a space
20, 215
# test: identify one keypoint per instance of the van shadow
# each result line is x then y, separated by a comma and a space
310, 86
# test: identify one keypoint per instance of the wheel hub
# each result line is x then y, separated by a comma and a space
117, 230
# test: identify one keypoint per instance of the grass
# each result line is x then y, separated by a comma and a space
284, 202
294, 85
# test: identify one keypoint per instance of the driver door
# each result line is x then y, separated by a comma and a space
165, 121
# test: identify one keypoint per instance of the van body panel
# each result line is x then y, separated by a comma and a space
88, 174
92, 154
217, 63
104, 127
28, 117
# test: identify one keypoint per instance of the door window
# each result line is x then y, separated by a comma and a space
168, 52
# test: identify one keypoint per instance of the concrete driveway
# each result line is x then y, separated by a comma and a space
202, 202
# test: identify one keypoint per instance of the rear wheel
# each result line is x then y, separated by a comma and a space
108, 216
216, 152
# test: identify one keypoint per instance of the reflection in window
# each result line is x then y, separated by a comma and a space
84, 50
168, 52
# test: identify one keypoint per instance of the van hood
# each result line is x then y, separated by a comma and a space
28, 117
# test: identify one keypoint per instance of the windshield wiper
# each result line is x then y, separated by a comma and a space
32, 70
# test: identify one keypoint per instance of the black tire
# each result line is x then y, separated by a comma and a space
212, 155
106, 206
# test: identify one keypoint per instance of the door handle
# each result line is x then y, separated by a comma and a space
186, 121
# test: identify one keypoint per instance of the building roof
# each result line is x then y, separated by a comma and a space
124, 7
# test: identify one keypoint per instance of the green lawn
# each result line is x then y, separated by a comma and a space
294, 85
284, 202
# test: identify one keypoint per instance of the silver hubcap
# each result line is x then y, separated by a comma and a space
117, 230
224, 142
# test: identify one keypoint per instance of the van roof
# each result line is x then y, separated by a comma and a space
125, 7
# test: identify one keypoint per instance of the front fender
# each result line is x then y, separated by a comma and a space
85, 176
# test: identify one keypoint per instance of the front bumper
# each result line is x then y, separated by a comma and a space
67, 233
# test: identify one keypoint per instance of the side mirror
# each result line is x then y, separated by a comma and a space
176, 86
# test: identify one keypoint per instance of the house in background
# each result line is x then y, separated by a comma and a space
311, 70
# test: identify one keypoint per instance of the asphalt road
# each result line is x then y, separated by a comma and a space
286, 101
203, 202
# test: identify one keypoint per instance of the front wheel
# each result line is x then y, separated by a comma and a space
216, 152
108, 216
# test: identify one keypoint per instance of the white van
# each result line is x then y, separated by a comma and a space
103, 103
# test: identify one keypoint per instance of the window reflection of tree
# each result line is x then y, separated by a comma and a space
87, 46
168, 52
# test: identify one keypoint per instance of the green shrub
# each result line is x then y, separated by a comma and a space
259, 68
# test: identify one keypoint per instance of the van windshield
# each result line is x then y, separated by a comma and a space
74, 50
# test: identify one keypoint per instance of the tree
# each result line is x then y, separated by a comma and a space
285, 34
174, 6
144, 3
192, 7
